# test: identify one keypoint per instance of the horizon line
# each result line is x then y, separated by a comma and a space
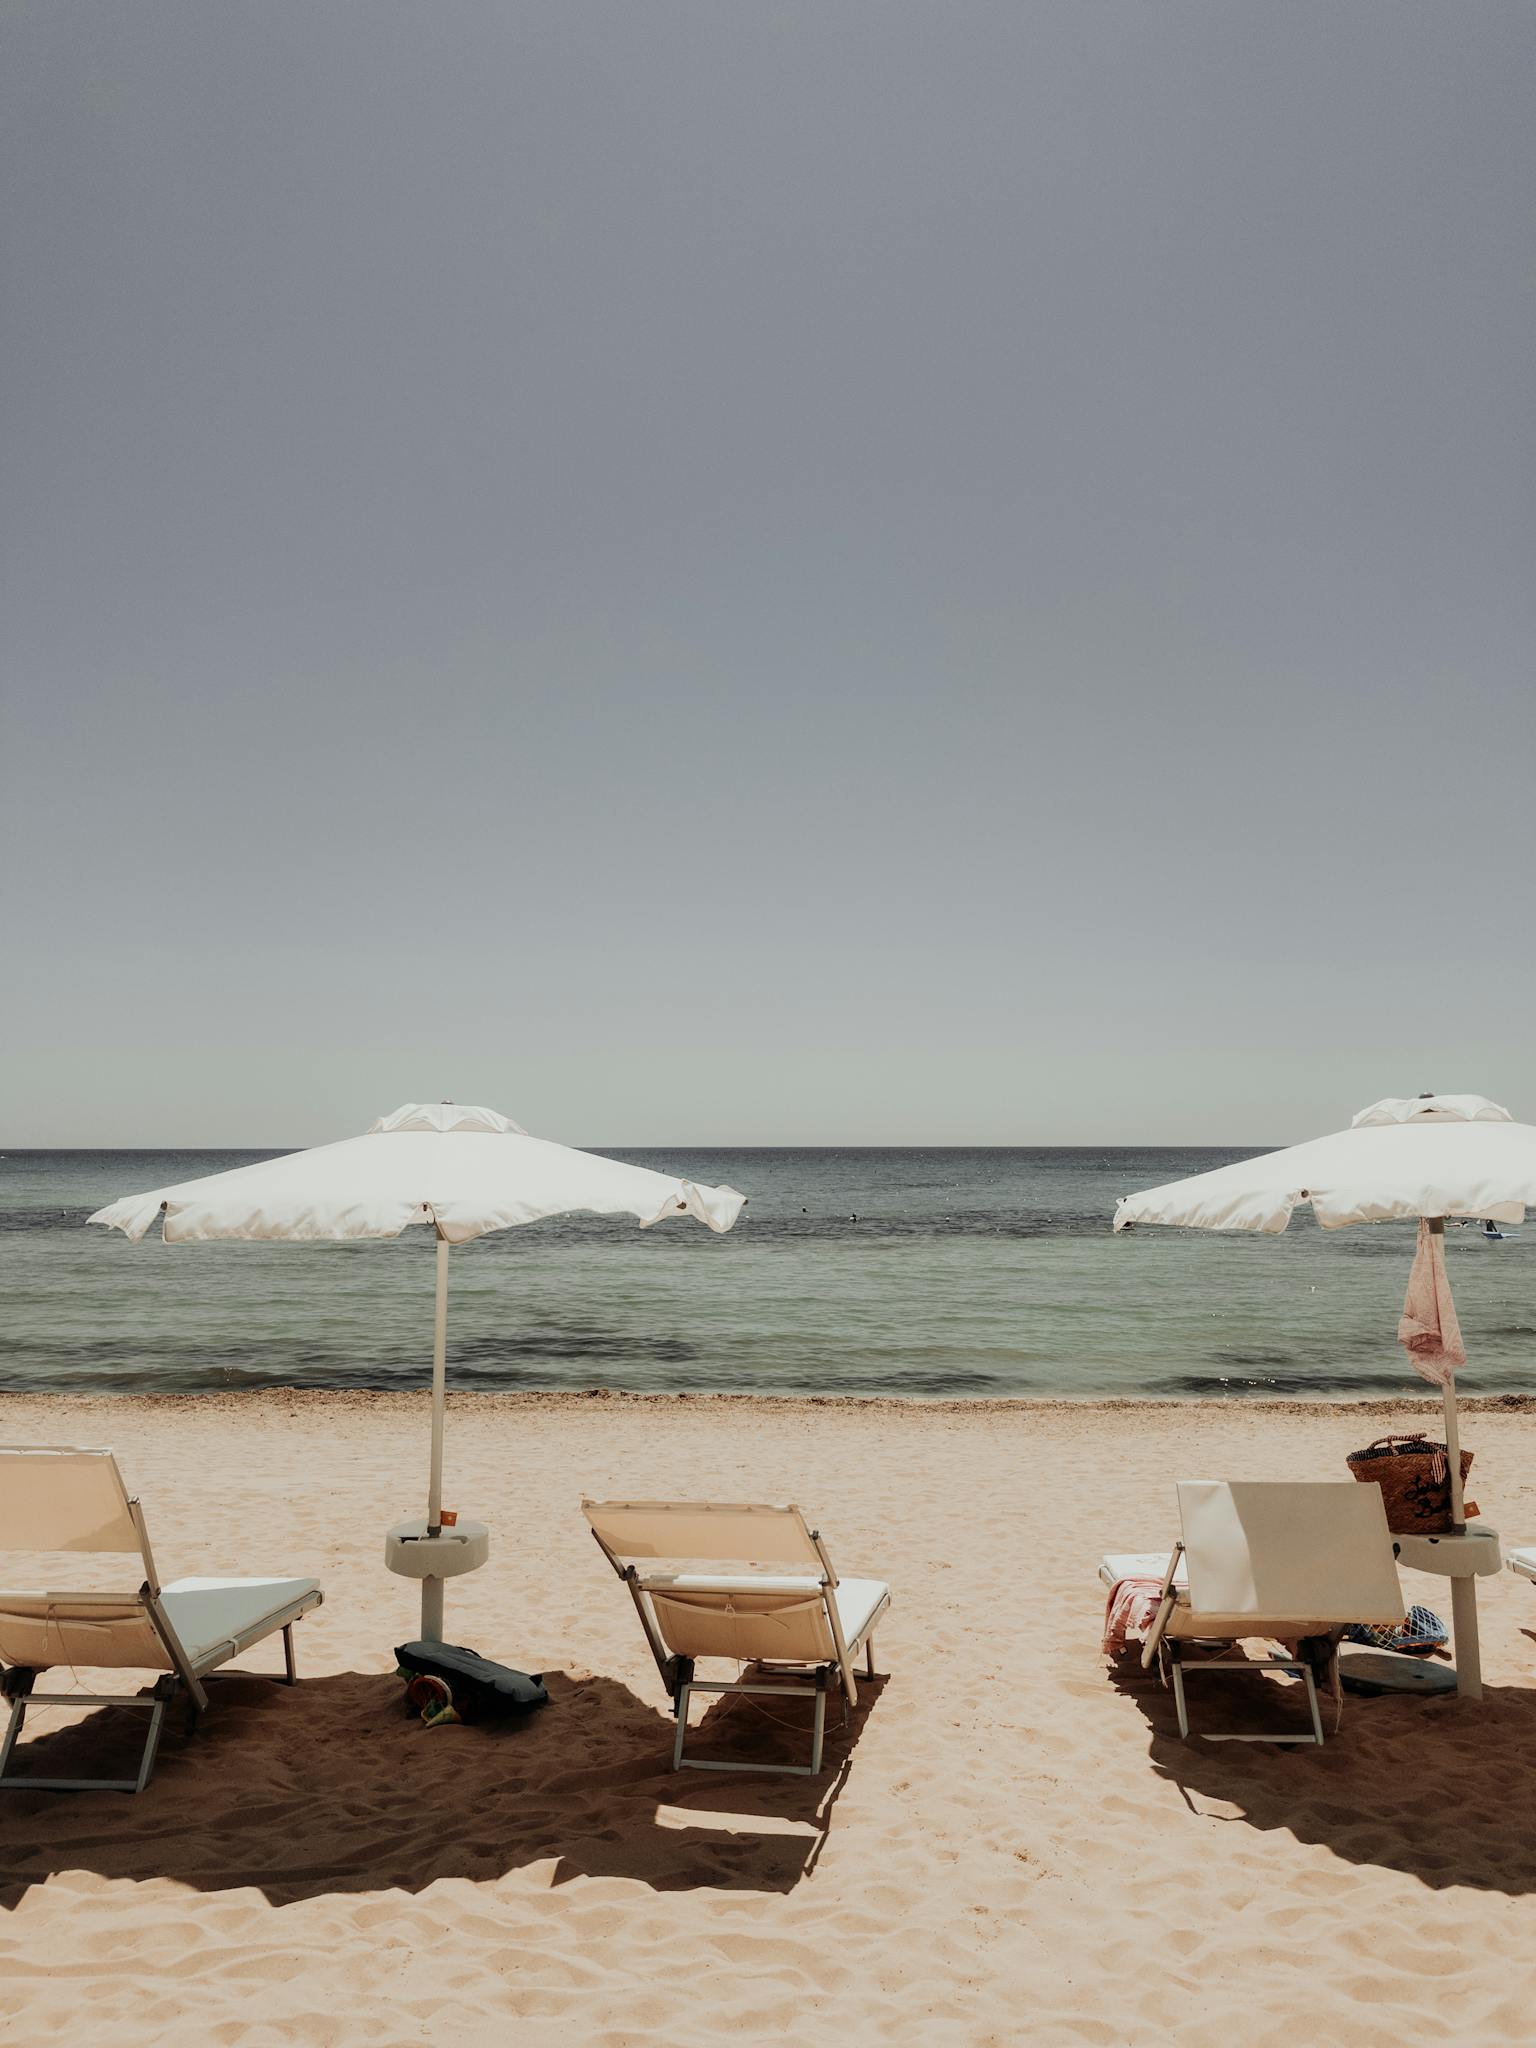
779, 1145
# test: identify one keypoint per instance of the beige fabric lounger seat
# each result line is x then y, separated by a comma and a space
1276, 1560
798, 1631
72, 1499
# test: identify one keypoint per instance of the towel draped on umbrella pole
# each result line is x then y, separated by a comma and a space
463, 1171
1429, 1157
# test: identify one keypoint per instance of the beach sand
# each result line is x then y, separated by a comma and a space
1011, 1844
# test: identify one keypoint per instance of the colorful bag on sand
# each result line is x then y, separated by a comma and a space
1415, 1481
1420, 1635
431, 1698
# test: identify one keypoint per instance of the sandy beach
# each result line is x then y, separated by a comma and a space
1010, 1844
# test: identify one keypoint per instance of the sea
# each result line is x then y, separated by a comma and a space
930, 1273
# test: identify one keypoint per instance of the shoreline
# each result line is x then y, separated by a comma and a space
561, 1399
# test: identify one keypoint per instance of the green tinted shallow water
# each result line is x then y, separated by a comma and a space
912, 1272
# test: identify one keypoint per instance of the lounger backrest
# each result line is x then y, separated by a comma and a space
108, 1630
63, 1498
60, 1498
1318, 1549
703, 1529
745, 1618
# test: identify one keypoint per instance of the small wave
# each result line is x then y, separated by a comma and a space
487, 1352
1215, 1386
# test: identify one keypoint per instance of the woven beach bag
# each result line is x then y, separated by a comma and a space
1415, 1481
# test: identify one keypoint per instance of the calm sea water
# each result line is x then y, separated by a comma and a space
911, 1272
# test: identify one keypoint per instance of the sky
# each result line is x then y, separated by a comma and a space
836, 573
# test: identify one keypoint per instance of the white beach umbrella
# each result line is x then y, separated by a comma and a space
1430, 1156
460, 1170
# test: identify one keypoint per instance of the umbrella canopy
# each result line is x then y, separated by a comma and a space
463, 1171
1430, 1155
1427, 1156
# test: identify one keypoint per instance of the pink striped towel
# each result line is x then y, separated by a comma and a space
1429, 1331
1130, 1611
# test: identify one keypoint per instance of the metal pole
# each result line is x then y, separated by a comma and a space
439, 1391
1469, 1656
1452, 1438
432, 1589
1453, 1461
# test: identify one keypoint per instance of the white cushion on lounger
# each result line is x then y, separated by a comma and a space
1523, 1561
1138, 1564
857, 1600
210, 1614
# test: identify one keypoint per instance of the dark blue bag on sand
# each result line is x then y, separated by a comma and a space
463, 1685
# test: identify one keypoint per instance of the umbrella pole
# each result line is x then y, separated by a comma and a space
432, 1589
1453, 1461
1452, 1436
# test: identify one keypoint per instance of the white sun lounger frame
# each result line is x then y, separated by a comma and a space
1168, 1652
1278, 1560
744, 1533
40, 1519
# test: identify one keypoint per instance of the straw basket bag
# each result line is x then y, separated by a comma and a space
1415, 1481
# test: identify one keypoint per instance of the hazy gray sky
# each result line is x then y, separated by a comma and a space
782, 572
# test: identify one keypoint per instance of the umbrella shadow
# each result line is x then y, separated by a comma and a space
332, 1787
1423, 1786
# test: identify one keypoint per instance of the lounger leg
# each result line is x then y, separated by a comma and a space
1317, 1719
20, 1687
819, 1729
1298, 1667
869, 1656
290, 1667
156, 1704
777, 1691
151, 1743
1176, 1670
684, 1694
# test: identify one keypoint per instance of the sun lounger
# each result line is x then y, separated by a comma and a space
1278, 1560
795, 1625
1522, 1562
69, 1499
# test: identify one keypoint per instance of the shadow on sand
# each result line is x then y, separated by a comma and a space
1428, 1787
333, 1787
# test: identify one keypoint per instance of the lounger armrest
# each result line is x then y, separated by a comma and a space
1167, 1601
